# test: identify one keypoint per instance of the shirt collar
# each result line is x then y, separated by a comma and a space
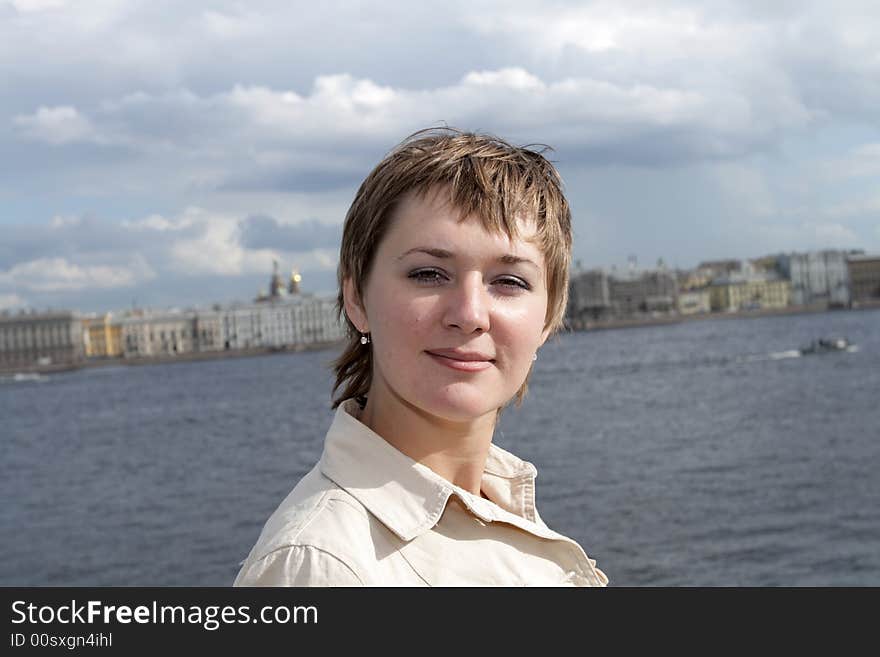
408, 497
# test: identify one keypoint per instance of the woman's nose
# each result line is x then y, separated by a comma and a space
468, 305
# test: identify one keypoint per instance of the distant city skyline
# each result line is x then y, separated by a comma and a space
164, 154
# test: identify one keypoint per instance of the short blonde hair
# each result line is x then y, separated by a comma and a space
488, 178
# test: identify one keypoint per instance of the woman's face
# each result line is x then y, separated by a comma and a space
437, 287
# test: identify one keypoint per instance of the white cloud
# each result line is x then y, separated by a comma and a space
326, 259
832, 235
59, 221
733, 96
59, 274
861, 161
854, 208
514, 97
203, 242
598, 27
325, 130
55, 125
745, 186
514, 78
778, 237
25, 6
8, 301
158, 223
69, 257
233, 25
215, 250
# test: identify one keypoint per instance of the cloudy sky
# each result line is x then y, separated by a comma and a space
163, 153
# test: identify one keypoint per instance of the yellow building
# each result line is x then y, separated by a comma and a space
694, 302
766, 264
696, 280
102, 338
749, 293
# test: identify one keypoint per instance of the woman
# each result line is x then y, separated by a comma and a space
453, 272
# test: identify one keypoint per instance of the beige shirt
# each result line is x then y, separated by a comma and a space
367, 514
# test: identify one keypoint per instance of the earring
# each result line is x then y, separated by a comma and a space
365, 338
535, 357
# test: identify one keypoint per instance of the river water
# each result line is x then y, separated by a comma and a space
705, 453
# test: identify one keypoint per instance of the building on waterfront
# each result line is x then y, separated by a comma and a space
693, 296
102, 336
31, 339
770, 264
151, 335
864, 278
818, 277
719, 268
589, 297
285, 318
696, 279
293, 284
779, 265
694, 302
208, 330
748, 291
635, 293
596, 295
277, 289
708, 271
300, 319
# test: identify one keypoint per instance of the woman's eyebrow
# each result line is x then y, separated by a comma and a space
507, 258
437, 253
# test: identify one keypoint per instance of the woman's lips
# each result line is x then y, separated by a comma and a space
462, 365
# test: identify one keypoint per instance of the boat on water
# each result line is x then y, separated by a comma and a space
19, 377
825, 345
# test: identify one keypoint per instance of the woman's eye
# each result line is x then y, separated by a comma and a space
435, 277
514, 282
426, 275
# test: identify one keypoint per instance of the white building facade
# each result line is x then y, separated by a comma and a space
30, 339
280, 323
159, 334
819, 276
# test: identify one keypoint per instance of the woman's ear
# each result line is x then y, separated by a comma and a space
353, 307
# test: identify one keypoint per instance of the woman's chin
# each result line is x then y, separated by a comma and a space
458, 408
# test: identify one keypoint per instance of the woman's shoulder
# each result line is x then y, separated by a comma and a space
299, 565
318, 528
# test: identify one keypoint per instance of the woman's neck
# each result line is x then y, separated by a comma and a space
454, 450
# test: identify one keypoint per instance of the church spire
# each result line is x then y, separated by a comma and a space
295, 278
275, 286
